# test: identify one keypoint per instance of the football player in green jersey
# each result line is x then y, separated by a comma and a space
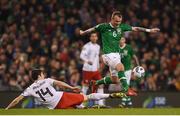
111, 33
127, 54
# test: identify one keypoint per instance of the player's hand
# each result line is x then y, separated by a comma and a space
154, 30
81, 32
76, 89
89, 62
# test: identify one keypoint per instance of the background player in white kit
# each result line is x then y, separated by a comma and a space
90, 55
43, 91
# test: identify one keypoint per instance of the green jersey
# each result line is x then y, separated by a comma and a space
110, 36
126, 54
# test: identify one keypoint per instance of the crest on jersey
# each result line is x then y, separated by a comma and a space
114, 34
119, 30
125, 52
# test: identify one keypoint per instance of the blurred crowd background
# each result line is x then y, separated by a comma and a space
45, 34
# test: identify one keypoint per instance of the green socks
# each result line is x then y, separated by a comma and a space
123, 81
121, 75
105, 80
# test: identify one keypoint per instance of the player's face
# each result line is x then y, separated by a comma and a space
116, 20
93, 37
42, 75
122, 41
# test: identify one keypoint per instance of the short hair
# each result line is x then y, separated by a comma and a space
116, 13
123, 38
93, 32
35, 73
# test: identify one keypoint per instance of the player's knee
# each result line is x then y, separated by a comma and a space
85, 97
115, 79
120, 67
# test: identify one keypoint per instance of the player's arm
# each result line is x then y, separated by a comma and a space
133, 55
136, 60
99, 28
15, 101
142, 29
83, 55
87, 31
65, 85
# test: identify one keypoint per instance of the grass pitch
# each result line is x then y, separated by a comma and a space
113, 111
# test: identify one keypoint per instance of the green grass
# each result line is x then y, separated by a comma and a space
114, 111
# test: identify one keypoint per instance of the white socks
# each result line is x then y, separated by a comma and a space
97, 96
100, 102
85, 89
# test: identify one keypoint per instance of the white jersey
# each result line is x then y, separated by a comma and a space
90, 52
44, 92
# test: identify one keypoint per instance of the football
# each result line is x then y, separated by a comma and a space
139, 71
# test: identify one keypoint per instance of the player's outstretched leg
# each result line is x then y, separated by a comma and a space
125, 86
94, 84
106, 80
123, 81
99, 96
122, 77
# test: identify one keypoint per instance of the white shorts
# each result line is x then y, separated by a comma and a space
111, 59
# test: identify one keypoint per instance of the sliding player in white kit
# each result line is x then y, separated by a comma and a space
90, 56
43, 91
